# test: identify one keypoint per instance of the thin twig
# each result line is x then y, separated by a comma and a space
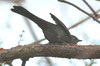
38, 41
76, 7
21, 37
90, 8
14, 1
82, 21
31, 29
80, 9
78, 23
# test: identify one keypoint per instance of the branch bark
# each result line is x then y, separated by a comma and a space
51, 50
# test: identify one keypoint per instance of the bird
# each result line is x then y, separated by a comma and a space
74, 39
55, 33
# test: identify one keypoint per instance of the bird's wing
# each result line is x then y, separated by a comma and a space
60, 24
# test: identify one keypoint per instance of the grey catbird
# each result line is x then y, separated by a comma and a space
54, 33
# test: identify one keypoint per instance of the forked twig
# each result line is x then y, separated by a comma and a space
80, 9
90, 8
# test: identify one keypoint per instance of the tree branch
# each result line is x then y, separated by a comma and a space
51, 50
94, 18
90, 8
83, 20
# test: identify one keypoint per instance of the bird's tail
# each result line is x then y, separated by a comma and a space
22, 11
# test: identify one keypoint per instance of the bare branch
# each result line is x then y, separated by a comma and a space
51, 50
94, 18
14, 1
38, 41
82, 21
90, 7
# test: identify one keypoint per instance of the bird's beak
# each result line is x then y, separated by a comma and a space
79, 40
